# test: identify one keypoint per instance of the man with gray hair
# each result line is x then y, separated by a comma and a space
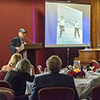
53, 79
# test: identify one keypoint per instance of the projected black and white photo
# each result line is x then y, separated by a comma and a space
69, 25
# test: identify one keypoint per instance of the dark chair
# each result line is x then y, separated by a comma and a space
22, 97
96, 93
2, 74
6, 95
9, 93
56, 93
4, 88
5, 84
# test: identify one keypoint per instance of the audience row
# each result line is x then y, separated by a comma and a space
21, 70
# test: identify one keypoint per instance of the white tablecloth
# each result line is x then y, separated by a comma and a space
80, 83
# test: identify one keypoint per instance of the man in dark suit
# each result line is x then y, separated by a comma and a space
53, 79
17, 41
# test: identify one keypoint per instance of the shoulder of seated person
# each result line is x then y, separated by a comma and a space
5, 66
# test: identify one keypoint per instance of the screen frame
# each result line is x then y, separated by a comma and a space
69, 45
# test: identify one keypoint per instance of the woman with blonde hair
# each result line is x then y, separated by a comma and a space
17, 77
12, 62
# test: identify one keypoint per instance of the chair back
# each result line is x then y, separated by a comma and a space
96, 93
39, 71
95, 64
8, 94
56, 93
5, 84
22, 97
4, 88
2, 74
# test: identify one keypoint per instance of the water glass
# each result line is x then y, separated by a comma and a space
91, 67
45, 70
77, 65
85, 69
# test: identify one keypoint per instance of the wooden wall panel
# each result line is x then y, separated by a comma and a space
94, 23
98, 22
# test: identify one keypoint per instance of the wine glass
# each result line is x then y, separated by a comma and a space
91, 67
85, 69
45, 70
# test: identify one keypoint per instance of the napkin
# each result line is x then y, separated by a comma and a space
81, 74
72, 73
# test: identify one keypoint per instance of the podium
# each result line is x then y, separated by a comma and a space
29, 52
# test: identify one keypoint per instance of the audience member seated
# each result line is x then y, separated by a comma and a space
12, 62
53, 79
19, 75
86, 94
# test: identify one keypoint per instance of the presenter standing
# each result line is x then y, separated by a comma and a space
18, 41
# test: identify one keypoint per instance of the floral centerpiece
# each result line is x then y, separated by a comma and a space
76, 74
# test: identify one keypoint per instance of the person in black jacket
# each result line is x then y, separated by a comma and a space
17, 41
17, 77
53, 79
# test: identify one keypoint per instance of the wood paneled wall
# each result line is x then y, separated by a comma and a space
95, 22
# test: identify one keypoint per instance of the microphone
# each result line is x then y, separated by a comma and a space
29, 40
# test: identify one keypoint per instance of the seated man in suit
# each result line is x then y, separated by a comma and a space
18, 41
53, 79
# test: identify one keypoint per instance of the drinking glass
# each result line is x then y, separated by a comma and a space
85, 69
76, 65
91, 67
45, 70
